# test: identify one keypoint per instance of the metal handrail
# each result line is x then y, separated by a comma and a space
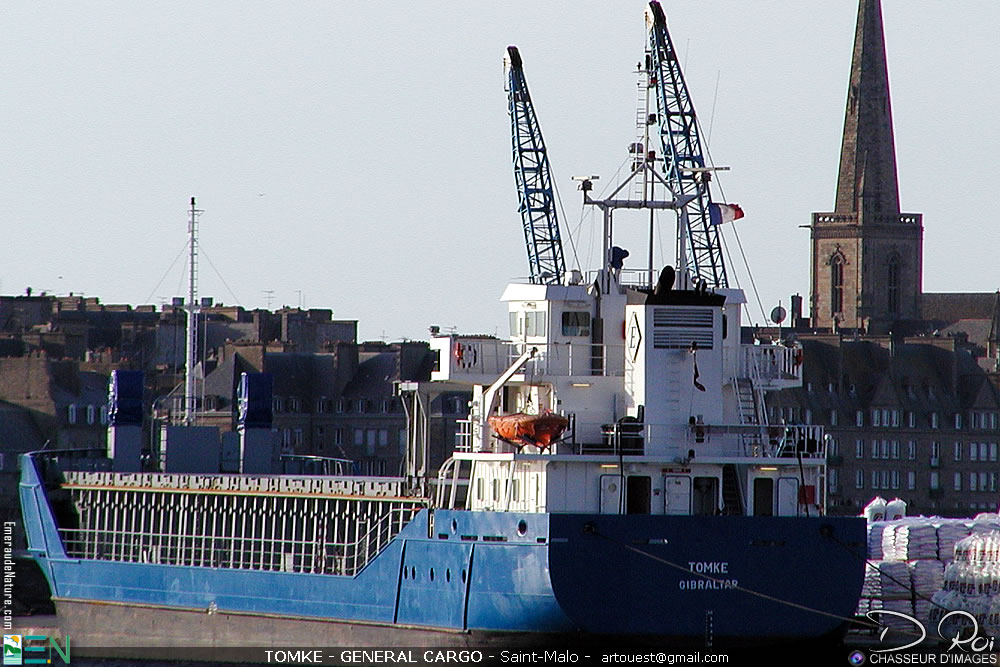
255, 553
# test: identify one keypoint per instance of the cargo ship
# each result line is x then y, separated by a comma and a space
629, 490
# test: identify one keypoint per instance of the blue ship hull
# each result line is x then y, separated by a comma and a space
488, 578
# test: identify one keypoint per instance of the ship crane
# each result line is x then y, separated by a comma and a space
699, 245
534, 180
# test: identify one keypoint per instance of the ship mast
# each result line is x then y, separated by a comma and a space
192, 317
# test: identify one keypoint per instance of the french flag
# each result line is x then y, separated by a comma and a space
723, 213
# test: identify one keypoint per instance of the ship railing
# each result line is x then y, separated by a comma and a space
315, 555
463, 435
566, 359
759, 441
771, 363
635, 278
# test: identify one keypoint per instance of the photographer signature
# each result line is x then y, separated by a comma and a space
974, 642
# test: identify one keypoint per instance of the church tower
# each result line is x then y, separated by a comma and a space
866, 255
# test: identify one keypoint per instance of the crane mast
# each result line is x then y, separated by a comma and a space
699, 245
533, 178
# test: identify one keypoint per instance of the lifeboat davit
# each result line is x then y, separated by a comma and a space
524, 429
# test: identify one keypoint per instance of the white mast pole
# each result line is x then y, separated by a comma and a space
192, 317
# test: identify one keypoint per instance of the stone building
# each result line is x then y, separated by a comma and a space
915, 419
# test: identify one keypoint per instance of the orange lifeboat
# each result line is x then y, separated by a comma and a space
524, 429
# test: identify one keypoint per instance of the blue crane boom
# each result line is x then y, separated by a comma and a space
534, 181
684, 161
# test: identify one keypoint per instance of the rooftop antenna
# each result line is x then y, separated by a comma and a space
192, 316
269, 295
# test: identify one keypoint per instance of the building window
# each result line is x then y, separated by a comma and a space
993, 451
958, 451
359, 437
934, 420
895, 479
911, 450
299, 438
935, 450
958, 420
277, 405
836, 284
834, 447
983, 480
860, 418
895, 418
876, 417
833, 417
972, 481
294, 404
973, 451
958, 481
71, 413
338, 437
859, 449
383, 437
912, 419
893, 285
895, 449
859, 479
935, 480
911, 481
104, 414
91, 414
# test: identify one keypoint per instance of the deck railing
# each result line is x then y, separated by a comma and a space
319, 535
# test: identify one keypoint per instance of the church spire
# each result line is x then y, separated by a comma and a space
866, 256
867, 184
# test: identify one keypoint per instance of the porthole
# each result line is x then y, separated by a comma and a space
522, 527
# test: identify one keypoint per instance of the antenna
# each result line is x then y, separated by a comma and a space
192, 316
269, 295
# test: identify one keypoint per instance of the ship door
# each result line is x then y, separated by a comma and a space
706, 495
611, 494
637, 494
677, 495
788, 496
763, 496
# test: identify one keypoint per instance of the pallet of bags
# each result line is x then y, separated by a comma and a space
875, 531
887, 580
950, 531
915, 539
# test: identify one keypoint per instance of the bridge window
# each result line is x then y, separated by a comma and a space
534, 323
575, 323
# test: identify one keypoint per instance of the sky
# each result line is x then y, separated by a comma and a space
356, 156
